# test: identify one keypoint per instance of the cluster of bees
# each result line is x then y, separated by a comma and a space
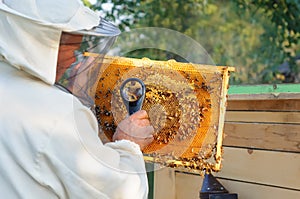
201, 163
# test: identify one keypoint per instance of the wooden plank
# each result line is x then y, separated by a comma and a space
264, 105
188, 186
257, 116
253, 191
266, 167
285, 137
264, 96
164, 183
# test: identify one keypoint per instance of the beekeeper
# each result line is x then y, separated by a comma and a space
49, 145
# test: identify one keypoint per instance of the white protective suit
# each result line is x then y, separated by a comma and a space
48, 140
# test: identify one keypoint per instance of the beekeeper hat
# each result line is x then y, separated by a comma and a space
68, 15
31, 31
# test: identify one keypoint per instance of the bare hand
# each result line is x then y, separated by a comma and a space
135, 128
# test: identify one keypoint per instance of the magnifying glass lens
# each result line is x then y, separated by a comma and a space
132, 91
133, 94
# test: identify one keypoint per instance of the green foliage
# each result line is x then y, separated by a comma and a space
87, 3
255, 36
123, 12
282, 42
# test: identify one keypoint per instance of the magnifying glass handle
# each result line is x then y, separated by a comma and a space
134, 106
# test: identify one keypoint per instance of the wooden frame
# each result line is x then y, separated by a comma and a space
192, 137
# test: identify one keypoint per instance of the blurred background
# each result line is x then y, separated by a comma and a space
260, 38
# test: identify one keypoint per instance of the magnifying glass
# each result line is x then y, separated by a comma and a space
133, 94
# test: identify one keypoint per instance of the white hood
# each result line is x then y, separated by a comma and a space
30, 32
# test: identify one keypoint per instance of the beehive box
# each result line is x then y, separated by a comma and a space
261, 148
185, 102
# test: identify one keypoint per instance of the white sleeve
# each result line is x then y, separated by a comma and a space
76, 164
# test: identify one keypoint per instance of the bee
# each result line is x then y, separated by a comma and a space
97, 96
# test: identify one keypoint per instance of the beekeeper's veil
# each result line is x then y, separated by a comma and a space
30, 36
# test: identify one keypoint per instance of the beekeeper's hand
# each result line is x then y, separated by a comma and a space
135, 128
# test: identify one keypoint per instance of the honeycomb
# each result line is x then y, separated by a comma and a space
185, 102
